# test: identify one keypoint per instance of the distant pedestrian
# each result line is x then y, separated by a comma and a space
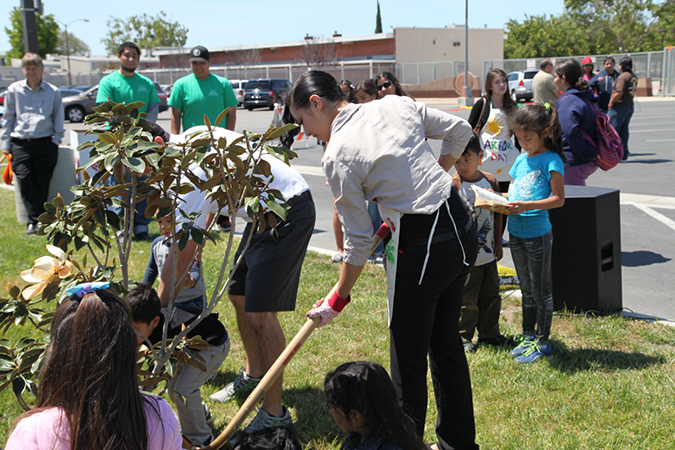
32, 129
537, 187
200, 94
620, 107
587, 67
127, 86
577, 120
544, 89
366, 91
387, 84
603, 83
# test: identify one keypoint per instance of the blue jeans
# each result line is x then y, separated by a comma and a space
619, 118
532, 258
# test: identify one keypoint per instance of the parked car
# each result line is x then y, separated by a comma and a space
163, 98
520, 85
68, 92
3, 92
167, 88
263, 92
78, 106
238, 87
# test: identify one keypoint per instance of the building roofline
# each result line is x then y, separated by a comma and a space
164, 51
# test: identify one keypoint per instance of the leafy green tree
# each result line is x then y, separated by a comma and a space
616, 26
47, 29
378, 20
76, 46
539, 36
146, 31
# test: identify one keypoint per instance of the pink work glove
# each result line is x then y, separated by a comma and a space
328, 309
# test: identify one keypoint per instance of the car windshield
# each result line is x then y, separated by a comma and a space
257, 85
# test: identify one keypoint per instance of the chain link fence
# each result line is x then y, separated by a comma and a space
355, 72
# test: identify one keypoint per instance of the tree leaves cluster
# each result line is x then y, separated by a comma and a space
76, 46
236, 176
593, 27
146, 31
47, 31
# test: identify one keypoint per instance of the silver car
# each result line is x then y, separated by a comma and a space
520, 85
238, 87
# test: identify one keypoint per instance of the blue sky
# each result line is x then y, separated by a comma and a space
221, 23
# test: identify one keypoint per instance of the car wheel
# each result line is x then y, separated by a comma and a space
250, 108
75, 114
271, 107
514, 97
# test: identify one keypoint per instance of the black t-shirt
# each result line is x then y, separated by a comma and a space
210, 329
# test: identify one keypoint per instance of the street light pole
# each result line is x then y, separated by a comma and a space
65, 25
467, 99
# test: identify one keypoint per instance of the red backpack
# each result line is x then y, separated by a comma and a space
607, 141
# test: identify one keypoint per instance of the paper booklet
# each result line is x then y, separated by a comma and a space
490, 200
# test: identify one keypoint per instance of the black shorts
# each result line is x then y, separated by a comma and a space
269, 273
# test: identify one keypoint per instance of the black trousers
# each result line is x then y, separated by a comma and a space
33, 163
426, 321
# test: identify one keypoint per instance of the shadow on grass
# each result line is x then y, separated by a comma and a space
599, 360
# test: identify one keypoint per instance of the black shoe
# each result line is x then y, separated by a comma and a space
32, 228
499, 341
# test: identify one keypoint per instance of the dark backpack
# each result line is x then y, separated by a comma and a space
607, 142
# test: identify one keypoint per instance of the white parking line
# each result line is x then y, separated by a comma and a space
658, 216
652, 131
660, 140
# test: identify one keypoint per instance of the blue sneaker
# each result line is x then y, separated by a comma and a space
534, 352
524, 341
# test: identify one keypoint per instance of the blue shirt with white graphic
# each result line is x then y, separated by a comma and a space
532, 181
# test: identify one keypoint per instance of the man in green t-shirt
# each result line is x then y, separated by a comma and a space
128, 86
201, 93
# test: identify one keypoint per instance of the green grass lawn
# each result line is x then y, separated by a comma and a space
611, 384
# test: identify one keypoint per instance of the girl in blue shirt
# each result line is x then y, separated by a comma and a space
538, 186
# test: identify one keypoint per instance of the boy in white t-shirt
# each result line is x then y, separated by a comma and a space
482, 303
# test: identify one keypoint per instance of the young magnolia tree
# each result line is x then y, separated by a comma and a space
90, 242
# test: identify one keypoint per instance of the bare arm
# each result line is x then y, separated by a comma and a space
176, 115
446, 161
556, 200
231, 118
185, 259
616, 95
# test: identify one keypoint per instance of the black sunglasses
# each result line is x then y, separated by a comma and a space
384, 85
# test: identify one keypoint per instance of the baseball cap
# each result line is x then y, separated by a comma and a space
586, 60
199, 53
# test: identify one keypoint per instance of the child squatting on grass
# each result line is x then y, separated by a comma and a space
364, 404
482, 303
538, 185
147, 317
192, 296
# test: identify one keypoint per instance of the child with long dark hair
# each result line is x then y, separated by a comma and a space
363, 401
88, 394
387, 84
538, 186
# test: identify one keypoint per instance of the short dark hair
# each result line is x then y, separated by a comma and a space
609, 58
144, 304
626, 64
128, 44
545, 63
473, 146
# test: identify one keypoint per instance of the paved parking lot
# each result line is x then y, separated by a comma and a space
647, 199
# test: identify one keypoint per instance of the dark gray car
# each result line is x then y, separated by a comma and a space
78, 106
263, 92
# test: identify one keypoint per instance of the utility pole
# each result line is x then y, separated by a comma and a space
30, 40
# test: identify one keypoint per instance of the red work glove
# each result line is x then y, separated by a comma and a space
328, 309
